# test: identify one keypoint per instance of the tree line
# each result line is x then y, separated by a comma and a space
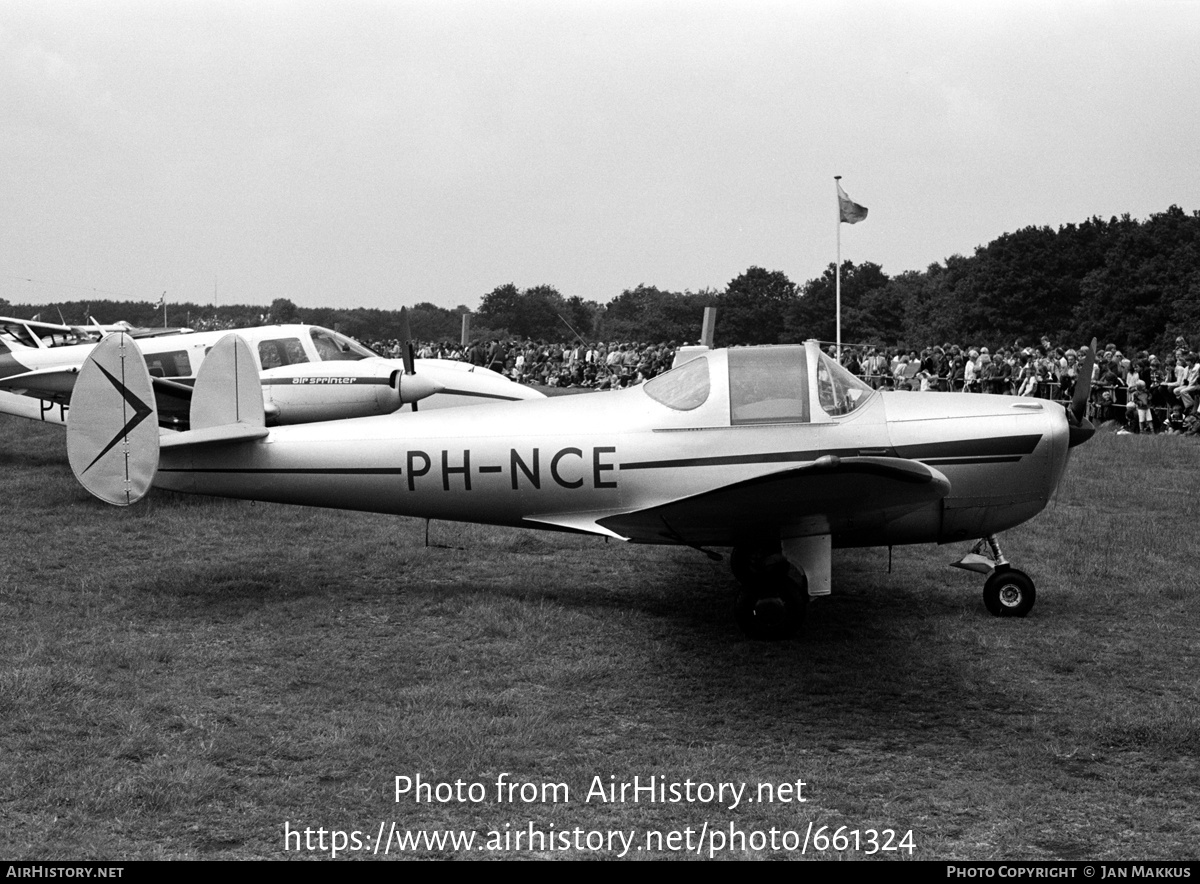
1133, 283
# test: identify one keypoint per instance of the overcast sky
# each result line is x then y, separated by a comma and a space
382, 154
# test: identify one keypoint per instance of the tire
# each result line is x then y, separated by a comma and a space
772, 611
1009, 593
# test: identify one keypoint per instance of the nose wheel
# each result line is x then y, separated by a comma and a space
1008, 592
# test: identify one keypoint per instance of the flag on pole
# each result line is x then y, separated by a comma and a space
849, 211
162, 301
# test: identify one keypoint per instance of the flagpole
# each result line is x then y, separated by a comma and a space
838, 270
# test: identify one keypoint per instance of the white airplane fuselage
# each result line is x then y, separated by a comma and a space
567, 461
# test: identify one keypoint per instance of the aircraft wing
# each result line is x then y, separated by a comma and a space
36, 334
52, 384
139, 333
39, 325
829, 496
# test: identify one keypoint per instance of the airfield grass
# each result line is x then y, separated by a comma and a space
182, 678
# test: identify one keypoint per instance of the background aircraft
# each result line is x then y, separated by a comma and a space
308, 373
777, 452
34, 333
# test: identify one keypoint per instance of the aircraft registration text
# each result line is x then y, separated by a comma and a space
567, 468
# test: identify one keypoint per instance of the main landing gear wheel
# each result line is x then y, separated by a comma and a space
771, 611
773, 597
1009, 593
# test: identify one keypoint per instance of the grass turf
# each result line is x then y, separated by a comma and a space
182, 678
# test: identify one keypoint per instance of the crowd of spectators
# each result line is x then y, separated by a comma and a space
1141, 392
597, 365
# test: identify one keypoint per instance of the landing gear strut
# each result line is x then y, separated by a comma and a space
1007, 591
773, 596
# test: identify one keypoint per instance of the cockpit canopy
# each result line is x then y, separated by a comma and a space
767, 385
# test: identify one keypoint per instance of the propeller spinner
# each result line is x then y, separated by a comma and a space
411, 387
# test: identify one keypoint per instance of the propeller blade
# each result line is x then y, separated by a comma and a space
1083, 385
1080, 433
406, 348
1081, 428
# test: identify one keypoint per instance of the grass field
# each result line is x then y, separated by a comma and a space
183, 678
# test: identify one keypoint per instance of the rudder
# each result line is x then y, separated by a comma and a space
228, 387
112, 427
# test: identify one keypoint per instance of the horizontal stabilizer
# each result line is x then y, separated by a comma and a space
228, 388
223, 435
828, 496
112, 428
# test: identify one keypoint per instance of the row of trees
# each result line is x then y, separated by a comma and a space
1134, 283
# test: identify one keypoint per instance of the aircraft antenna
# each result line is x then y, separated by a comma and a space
568, 325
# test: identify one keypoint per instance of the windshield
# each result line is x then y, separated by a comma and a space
838, 391
682, 388
334, 347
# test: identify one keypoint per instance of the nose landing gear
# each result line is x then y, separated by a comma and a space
1007, 591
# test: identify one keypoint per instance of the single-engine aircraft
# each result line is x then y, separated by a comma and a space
308, 373
777, 452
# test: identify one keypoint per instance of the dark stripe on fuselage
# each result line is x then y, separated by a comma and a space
724, 460
281, 471
479, 395
1000, 445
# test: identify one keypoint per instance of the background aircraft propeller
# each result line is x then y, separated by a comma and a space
411, 388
